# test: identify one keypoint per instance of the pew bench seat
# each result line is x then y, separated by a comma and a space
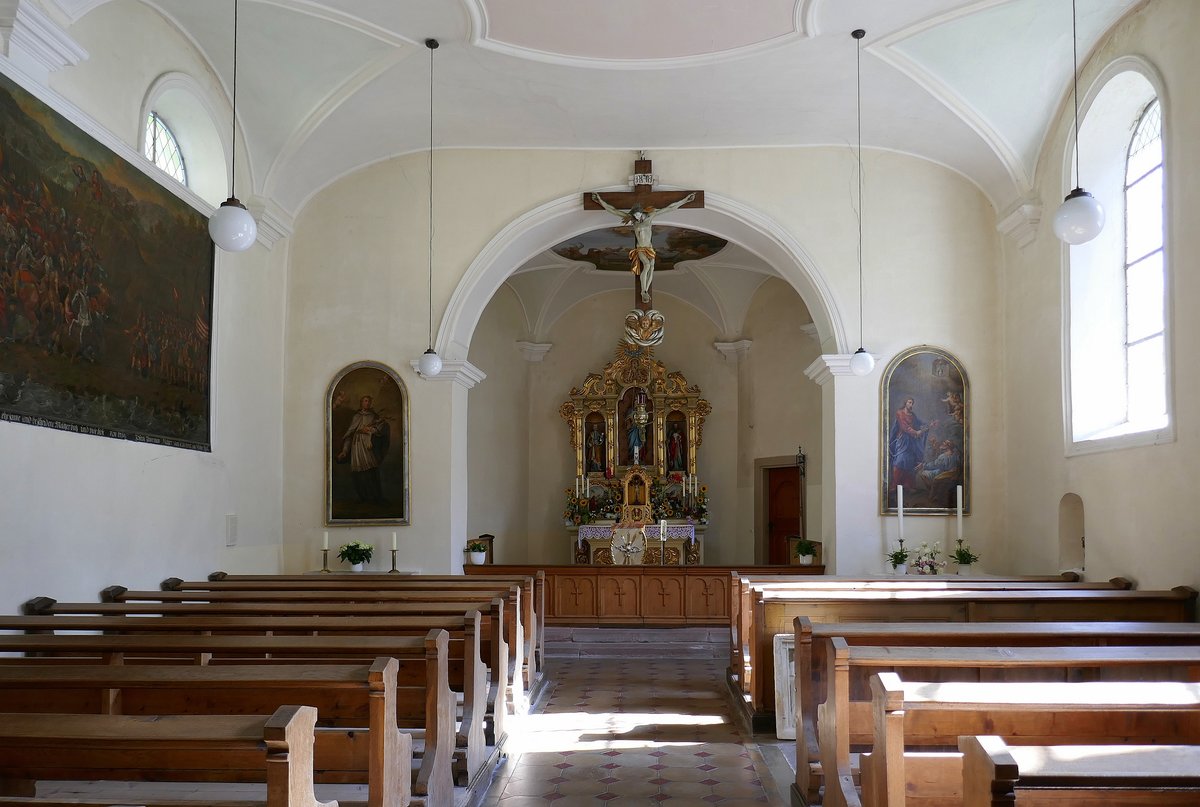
996, 774
913, 717
276, 749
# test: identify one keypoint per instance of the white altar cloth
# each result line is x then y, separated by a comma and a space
603, 532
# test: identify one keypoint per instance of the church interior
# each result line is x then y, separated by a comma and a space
527, 294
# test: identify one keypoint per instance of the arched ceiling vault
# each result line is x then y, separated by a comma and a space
329, 86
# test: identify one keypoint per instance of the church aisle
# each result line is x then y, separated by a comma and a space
633, 731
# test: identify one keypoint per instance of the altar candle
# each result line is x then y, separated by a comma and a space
326, 544
960, 512
900, 507
662, 530
393, 540
587, 487
576, 487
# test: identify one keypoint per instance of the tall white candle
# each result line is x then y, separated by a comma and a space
394, 539
587, 486
576, 487
900, 507
325, 545
960, 512
662, 530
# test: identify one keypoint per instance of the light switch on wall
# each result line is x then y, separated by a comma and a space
231, 529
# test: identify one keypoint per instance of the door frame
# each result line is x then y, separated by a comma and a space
762, 536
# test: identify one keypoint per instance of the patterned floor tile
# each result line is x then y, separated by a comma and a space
624, 731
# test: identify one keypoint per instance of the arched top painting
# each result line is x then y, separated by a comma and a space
924, 443
366, 447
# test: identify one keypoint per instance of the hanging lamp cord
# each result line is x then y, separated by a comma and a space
858, 35
1075, 79
233, 134
432, 45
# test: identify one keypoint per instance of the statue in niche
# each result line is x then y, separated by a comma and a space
675, 452
595, 444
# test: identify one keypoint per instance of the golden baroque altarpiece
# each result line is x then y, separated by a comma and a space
635, 431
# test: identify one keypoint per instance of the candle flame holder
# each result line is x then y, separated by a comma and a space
325, 561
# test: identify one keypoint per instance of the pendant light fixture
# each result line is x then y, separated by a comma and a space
1080, 218
231, 226
430, 363
862, 362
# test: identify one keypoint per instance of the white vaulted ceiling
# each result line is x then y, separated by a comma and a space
329, 86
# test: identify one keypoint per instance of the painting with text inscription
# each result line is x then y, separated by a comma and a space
924, 434
106, 282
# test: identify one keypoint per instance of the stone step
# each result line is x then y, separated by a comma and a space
637, 642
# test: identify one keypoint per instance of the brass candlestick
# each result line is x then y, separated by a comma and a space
325, 561
394, 569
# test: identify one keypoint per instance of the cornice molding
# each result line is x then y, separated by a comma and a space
534, 352
1021, 222
828, 365
463, 373
274, 223
29, 35
734, 351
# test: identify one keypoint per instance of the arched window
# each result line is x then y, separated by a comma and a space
162, 148
1119, 361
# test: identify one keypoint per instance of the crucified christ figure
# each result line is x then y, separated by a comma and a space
641, 257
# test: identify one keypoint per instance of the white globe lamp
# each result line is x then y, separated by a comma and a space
1079, 219
231, 227
430, 363
862, 362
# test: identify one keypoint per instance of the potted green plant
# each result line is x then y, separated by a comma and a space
964, 557
356, 553
477, 552
898, 558
804, 549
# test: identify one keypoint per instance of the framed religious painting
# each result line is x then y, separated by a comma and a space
366, 447
106, 287
924, 440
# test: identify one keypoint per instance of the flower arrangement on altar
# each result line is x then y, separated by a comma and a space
963, 555
927, 559
898, 557
699, 506
356, 552
661, 503
578, 510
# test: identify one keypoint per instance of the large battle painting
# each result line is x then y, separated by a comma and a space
925, 444
106, 283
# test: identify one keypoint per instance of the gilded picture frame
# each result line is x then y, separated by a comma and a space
366, 447
925, 432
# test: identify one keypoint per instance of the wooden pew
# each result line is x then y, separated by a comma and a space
923, 715
514, 627
351, 698
742, 604
999, 775
773, 612
809, 682
468, 671
534, 598
504, 692
423, 662
843, 721
277, 749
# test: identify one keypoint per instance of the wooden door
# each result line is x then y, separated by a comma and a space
783, 511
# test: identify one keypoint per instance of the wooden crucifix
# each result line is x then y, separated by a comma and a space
638, 208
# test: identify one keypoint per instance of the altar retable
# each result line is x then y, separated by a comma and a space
636, 430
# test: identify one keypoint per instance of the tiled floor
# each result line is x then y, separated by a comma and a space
633, 731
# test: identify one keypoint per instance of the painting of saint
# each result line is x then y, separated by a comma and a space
367, 437
924, 445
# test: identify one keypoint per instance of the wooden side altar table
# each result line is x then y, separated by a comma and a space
593, 544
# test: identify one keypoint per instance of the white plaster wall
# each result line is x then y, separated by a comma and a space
498, 431
1139, 522
357, 290
783, 410
79, 513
